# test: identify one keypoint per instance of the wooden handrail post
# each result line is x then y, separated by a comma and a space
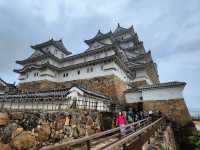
88, 145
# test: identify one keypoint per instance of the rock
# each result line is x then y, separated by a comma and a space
68, 131
24, 140
58, 136
75, 132
89, 130
17, 131
74, 120
50, 117
60, 124
67, 121
16, 115
5, 146
89, 121
83, 118
4, 119
43, 132
7, 132
81, 131
30, 121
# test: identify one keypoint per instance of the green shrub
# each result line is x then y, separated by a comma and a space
195, 140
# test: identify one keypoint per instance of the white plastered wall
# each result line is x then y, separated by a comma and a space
164, 93
108, 69
141, 75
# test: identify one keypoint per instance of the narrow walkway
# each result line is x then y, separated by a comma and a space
139, 134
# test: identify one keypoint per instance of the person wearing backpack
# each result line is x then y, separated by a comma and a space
130, 116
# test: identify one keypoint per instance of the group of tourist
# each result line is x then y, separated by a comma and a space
130, 116
127, 117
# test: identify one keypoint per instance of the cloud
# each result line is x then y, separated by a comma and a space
170, 29
183, 67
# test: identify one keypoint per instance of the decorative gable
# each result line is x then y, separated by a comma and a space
2, 83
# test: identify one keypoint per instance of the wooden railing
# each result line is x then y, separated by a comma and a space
91, 141
136, 140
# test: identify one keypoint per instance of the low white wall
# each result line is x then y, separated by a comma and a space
162, 93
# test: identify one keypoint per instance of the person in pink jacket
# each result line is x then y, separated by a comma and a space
121, 121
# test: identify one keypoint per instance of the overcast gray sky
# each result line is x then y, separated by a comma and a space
170, 29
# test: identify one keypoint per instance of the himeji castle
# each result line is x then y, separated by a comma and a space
119, 53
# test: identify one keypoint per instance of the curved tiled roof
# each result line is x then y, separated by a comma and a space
120, 29
167, 84
47, 64
58, 44
99, 36
154, 86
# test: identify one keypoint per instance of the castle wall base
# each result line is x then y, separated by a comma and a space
174, 109
108, 85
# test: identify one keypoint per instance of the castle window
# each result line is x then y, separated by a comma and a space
97, 56
65, 75
78, 72
101, 67
84, 59
36, 74
56, 51
106, 54
91, 69
62, 55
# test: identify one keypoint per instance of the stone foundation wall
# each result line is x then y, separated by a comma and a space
175, 110
163, 139
109, 85
33, 130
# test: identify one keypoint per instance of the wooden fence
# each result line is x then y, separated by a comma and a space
50, 104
